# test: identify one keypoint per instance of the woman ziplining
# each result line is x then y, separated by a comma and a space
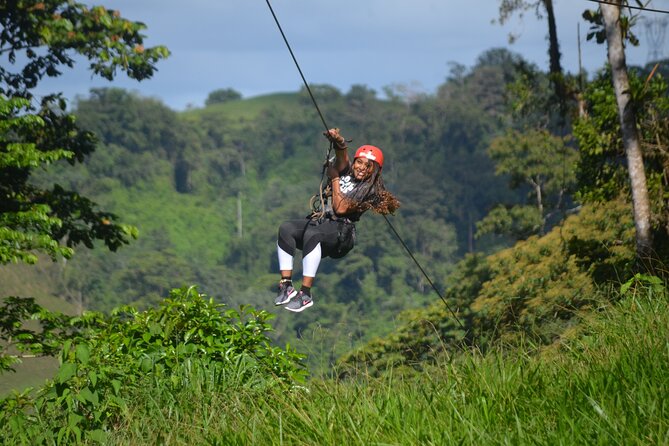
353, 188
345, 234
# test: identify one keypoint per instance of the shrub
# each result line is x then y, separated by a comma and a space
532, 292
111, 359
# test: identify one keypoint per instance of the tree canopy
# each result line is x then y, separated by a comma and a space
39, 39
222, 95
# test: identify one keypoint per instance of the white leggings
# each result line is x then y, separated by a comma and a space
310, 262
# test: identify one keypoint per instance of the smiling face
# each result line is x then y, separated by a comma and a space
362, 168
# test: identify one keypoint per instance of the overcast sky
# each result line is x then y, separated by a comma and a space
236, 44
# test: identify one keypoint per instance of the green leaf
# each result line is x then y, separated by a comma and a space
66, 349
73, 419
155, 329
97, 435
624, 288
86, 394
145, 364
83, 353
116, 385
66, 372
77, 432
186, 349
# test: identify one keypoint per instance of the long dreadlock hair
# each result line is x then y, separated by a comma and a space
372, 194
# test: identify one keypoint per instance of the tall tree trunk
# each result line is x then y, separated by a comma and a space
635, 167
540, 203
554, 52
553, 44
509, 7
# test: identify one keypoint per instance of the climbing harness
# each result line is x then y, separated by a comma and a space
318, 202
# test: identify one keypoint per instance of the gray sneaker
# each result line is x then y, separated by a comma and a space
286, 292
299, 302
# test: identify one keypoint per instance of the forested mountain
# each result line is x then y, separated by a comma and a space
207, 188
537, 202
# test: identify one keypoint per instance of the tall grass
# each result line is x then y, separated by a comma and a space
610, 386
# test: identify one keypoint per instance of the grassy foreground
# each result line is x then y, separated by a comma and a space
609, 386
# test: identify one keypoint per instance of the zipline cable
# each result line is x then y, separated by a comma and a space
423, 271
313, 99
304, 80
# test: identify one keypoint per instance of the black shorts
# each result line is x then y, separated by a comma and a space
336, 237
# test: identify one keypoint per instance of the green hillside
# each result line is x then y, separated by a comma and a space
207, 189
606, 385
246, 109
538, 314
518, 296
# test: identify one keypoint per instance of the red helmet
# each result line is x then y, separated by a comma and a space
370, 152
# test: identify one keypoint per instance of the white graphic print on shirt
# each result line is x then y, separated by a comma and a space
346, 184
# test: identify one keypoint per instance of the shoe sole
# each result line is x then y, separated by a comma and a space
302, 308
284, 302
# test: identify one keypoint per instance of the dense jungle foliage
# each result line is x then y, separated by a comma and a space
514, 188
207, 188
160, 376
